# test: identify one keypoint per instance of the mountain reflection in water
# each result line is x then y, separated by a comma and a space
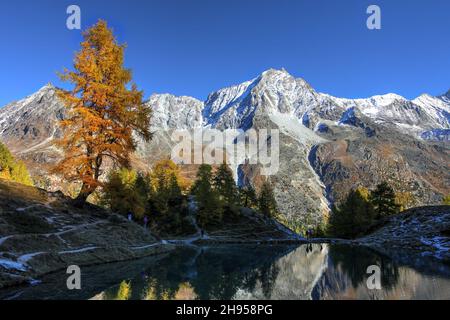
312, 271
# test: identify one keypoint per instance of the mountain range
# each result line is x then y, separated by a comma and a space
328, 145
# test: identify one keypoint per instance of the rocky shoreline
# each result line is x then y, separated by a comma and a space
424, 231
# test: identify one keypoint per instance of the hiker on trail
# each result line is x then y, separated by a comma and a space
145, 222
130, 216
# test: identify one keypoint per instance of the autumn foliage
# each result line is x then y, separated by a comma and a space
13, 169
104, 109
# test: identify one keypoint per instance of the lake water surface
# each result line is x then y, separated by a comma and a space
252, 272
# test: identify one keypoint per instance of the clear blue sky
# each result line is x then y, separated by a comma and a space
192, 47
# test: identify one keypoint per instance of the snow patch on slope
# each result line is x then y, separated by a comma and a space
293, 127
12, 265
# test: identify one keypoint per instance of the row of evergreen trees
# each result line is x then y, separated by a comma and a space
165, 197
12, 169
157, 195
361, 210
218, 198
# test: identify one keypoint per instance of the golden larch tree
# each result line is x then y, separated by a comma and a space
103, 110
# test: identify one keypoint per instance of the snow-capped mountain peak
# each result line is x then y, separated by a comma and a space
32, 123
386, 99
273, 92
12, 112
446, 96
344, 139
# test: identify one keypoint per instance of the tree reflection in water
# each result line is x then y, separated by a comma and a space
311, 271
203, 273
354, 260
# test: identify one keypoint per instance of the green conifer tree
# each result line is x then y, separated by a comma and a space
266, 202
114, 192
225, 185
353, 217
384, 200
209, 208
248, 196
142, 185
166, 180
174, 190
122, 195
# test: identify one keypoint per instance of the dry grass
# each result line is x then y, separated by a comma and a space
9, 189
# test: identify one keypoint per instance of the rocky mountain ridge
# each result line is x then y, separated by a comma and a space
327, 144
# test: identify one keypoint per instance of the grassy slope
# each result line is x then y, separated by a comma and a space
41, 232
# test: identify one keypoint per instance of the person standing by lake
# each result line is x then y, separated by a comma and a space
309, 233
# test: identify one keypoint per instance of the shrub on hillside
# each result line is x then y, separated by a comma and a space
353, 217
12, 169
